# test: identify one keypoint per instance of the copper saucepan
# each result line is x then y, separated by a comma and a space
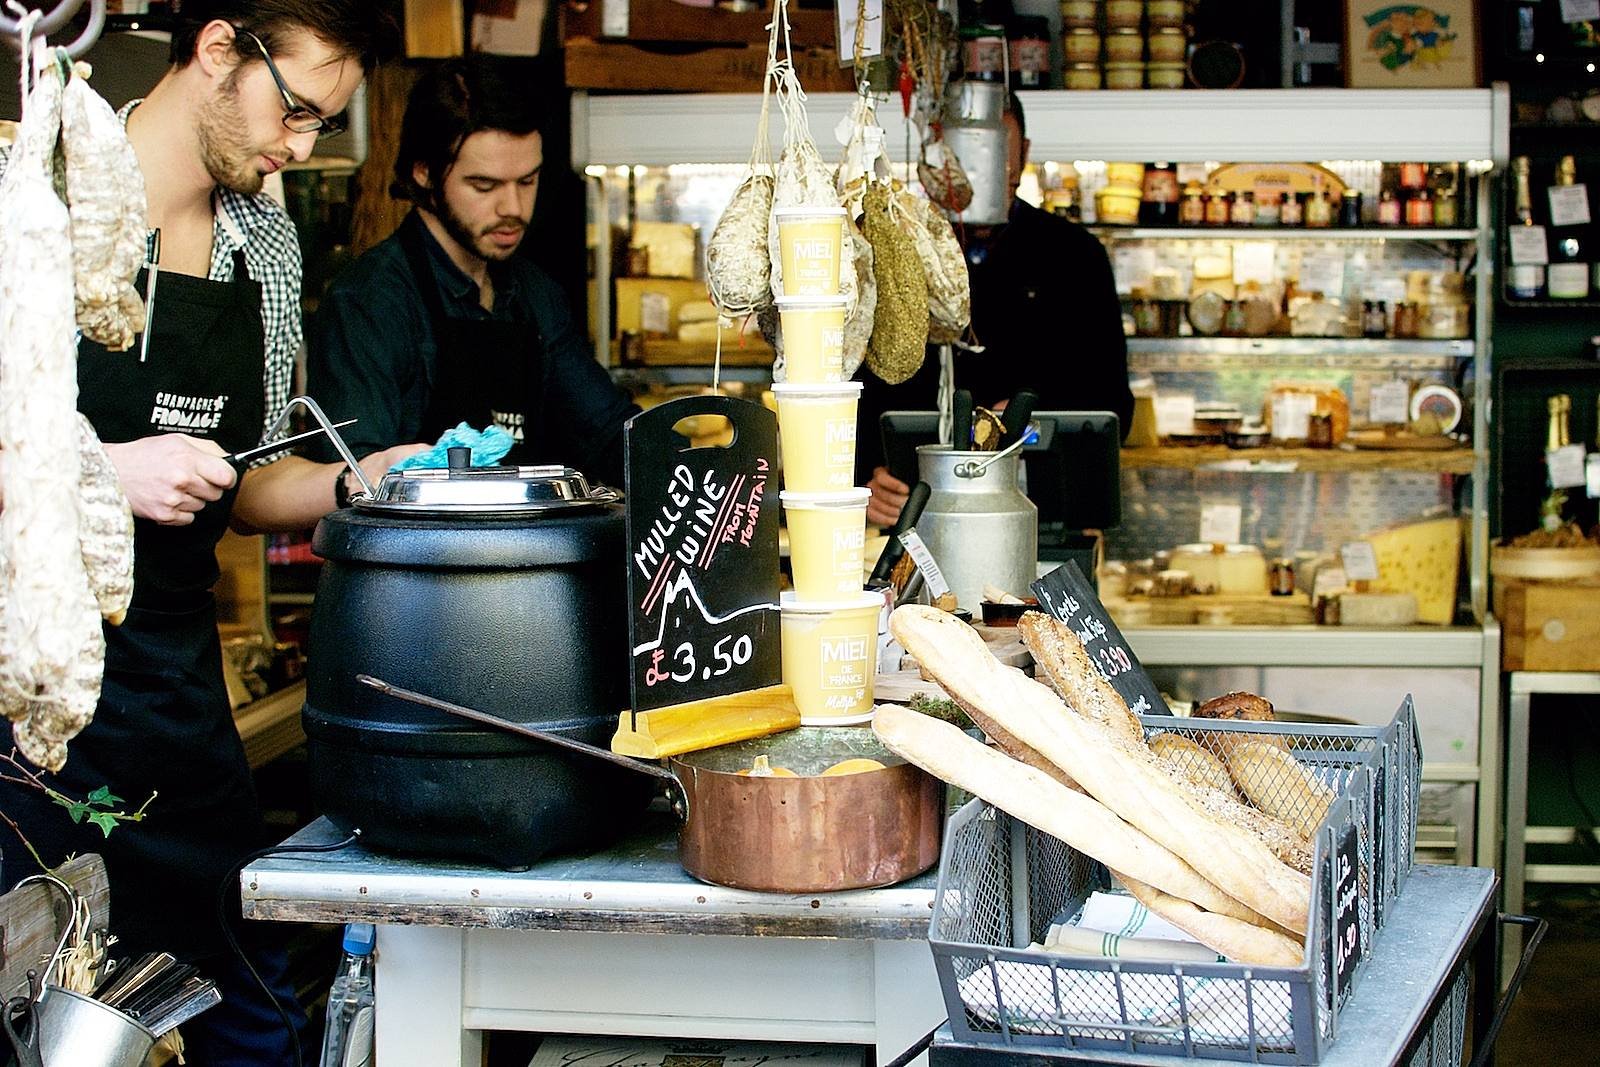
805, 834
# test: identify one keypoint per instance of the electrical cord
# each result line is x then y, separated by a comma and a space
233, 942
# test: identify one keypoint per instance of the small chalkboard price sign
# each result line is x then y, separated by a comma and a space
1066, 594
702, 539
1346, 915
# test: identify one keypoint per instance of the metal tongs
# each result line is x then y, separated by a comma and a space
250, 455
329, 427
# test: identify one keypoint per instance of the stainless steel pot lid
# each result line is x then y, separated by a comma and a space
485, 491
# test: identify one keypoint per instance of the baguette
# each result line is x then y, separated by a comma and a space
1276, 783
1193, 762
1241, 942
1123, 777
1075, 678
1023, 792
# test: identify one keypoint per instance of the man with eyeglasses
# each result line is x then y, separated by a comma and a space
442, 323
251, 85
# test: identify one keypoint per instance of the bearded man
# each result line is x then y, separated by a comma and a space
440, 323
251, 85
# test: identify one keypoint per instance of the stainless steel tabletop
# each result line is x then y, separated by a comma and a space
636, 886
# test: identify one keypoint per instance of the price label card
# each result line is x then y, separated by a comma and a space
1198, 172
1322, 272
1568, 466
1066, 594
1390, 403
702, 555
655, 313
847, 23
1360, 561
1254, 261
1569, 205
1347, 946
1221, 524
917, 549
1592, 468
1528, 247
1133, 268
1579, 10
1174, 414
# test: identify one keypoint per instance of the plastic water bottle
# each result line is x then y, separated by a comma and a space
348, 1040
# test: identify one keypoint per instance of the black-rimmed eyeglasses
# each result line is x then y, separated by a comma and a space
296, 115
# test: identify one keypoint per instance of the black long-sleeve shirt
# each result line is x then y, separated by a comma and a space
1045, 308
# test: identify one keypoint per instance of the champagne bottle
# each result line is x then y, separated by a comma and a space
1526, 280
1552, 512
1568, 276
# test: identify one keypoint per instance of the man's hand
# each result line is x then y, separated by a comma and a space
888, 497
171, 477
376, 465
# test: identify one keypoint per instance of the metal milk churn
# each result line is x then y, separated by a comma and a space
975, 133
978, 524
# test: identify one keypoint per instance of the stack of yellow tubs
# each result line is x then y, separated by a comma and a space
829, 623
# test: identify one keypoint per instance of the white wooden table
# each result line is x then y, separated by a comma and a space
620, 942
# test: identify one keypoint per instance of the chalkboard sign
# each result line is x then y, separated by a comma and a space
1066, 594
1346, 915
702, 555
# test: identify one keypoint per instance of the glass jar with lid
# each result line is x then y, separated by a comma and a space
1163, 13
1243, 210
1124, 14
1124, 46
1219, 208
1081, 44
1168, 45
1028, 37
1125, 75
983, 48
1293, 211
1080, 14
1082, 75
1165, 75
1192, 212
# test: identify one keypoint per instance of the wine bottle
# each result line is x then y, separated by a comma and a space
1525, 280
1553, 511
1568, 276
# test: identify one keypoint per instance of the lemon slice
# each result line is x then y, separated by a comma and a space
852, 766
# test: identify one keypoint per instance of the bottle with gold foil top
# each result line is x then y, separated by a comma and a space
1525, 281
1567, 277
1552, 512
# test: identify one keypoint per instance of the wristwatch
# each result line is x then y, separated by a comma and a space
341, 488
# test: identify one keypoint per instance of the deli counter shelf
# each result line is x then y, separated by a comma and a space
1308, 646
1187, 125
1279, 233
1220, 457
1298, 346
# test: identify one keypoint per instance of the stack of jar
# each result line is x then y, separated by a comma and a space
829, 625
1124, 44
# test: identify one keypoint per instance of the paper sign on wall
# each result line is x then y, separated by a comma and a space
1174, 414
1133, 268
1322, 272
1221, 524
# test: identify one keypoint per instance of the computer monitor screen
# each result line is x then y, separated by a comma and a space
1071, 463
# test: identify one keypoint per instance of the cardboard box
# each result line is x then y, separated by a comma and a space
1550, 627
558, 1051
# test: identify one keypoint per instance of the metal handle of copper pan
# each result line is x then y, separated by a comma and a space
679, 798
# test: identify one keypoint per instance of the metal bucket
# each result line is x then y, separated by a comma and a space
79, 1031
978, 524
975, 133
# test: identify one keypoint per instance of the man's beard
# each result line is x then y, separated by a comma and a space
223, 148
462, 234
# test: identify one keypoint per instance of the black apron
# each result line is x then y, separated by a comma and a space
164, 723
484, 371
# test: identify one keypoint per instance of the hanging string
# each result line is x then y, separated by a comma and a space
27, 19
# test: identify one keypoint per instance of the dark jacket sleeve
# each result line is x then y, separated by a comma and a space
584, 410
365, 358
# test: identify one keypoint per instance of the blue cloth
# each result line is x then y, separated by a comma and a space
488, 447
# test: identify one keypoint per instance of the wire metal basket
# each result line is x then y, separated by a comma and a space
1002, 884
